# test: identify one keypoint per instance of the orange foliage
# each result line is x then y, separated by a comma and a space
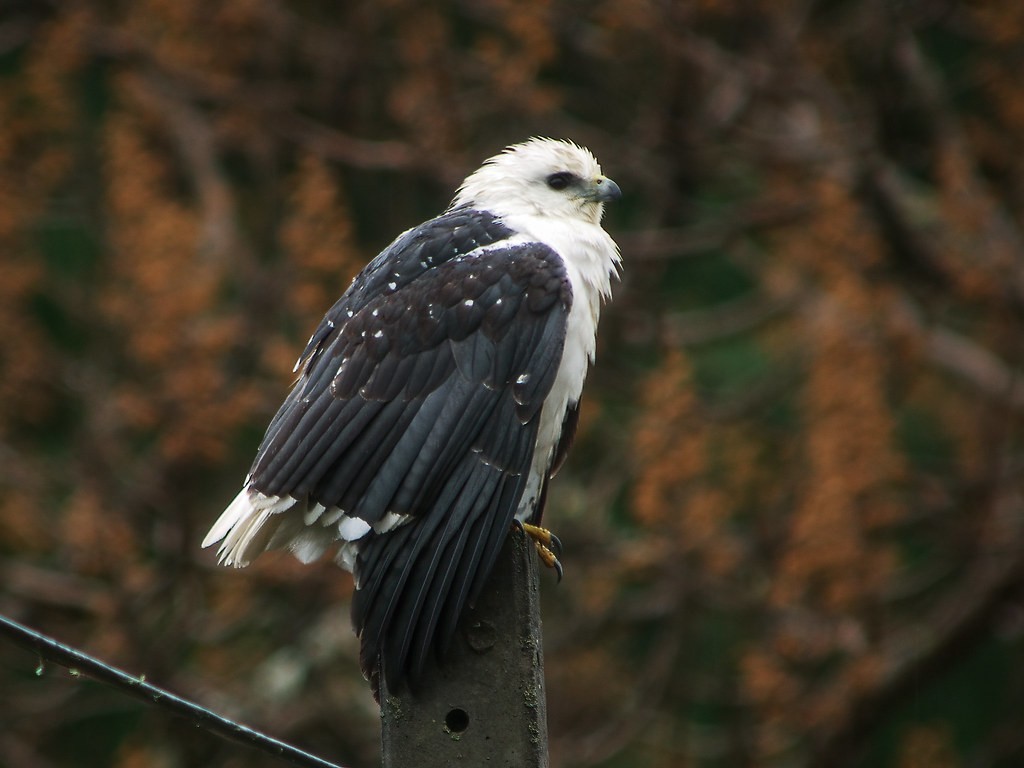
672, 493
160, 293
513, 58
317, 237
850, 464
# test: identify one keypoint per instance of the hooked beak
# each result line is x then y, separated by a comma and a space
604, 190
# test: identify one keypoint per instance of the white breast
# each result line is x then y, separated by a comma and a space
590, 257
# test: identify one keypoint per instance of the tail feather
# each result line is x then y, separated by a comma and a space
247, 526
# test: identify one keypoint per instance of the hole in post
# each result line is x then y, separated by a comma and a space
457, 720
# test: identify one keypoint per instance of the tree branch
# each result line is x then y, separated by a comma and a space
81, 663
924, 651
963, 358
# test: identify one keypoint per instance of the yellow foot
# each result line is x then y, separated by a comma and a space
548, 545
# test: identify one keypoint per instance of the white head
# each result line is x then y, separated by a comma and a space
544, 177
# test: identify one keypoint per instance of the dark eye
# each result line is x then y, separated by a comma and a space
560, 180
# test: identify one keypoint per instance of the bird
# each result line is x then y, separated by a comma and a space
435, 401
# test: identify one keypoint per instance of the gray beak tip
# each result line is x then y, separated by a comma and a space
608, 191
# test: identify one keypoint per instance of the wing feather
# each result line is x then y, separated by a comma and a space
416, 410
476, 498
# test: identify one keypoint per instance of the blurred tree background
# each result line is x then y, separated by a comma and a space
793, 519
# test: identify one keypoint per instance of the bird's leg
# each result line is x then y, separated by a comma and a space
543, 537
548, 545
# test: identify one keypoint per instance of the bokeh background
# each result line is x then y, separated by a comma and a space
793, 518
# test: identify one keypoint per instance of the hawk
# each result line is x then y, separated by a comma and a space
435, 401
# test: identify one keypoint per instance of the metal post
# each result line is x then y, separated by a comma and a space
485, 705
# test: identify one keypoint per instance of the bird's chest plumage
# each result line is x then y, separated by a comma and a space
589, 264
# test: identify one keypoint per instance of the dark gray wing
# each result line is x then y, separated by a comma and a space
421, 397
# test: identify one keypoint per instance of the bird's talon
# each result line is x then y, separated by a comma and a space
549, 559
540, 535
549, 546
556, 544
